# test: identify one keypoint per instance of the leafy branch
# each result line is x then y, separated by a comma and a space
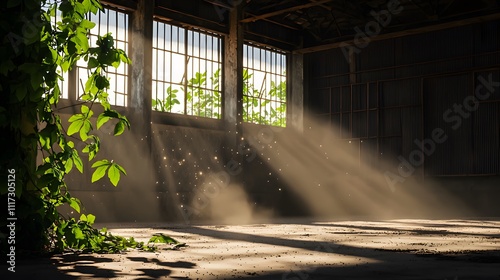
30, 72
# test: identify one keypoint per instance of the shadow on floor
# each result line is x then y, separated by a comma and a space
388, 264
91, 266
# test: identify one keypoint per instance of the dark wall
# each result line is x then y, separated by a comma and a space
408, 88
188, 172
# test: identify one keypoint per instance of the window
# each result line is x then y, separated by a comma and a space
109, 21
63, 84
116, 23
187, 67
264, 86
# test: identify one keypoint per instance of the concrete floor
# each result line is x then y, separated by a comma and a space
298, 250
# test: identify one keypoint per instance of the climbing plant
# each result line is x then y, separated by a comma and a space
38, 149
207, 103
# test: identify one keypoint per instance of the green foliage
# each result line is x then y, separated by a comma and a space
200, 100
262, 108
168, 103
162, 238
114, 170
204, 102
33, 57
82, 236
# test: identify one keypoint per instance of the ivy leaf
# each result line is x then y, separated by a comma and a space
116, 63
85, 129
76, 117
114, 174
102, 119
75, 204
162, 238
85, 109
77, 161
78, 233
101, 163
90, 219
93, 63
89, 85
87, 24
119, 128
68, 165
124, 58
83, 217
101, 82
75, 127
99, 173
122, 170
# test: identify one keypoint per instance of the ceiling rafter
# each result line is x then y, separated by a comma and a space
225, 6
447, 7
422, 9
322, 6
291, 9
275, 4
406, 32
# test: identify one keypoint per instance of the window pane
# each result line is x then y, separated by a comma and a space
186, 70
117, 23
264, 86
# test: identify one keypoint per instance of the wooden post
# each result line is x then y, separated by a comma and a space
140, 77
233, 79
295, 88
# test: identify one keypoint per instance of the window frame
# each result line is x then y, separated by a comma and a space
217, 58
71, 85
283, 99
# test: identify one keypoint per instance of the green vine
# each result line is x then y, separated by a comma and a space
35, 52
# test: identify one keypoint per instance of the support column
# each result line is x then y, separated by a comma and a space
295, 85
233, 78
135, 200
352, 66
141, 54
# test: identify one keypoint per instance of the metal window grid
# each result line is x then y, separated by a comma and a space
187, 67
116, 23
63, 84
264, 94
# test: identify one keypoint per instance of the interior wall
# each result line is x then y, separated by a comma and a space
408, 88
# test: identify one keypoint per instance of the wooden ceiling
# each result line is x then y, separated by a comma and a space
316, 24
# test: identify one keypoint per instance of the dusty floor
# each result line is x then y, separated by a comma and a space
395, 249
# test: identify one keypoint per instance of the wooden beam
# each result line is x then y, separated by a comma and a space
291, 9
322, 6
128, 5
403, 33
228, 7
268, 38
184, 18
